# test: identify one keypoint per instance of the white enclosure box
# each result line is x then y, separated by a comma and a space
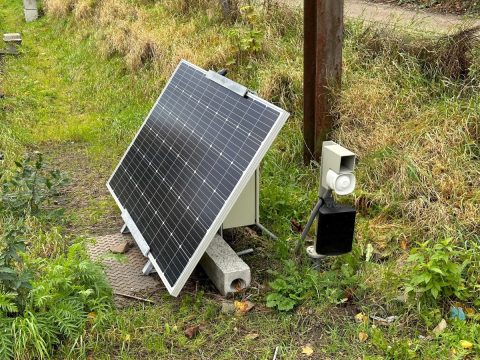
245, 212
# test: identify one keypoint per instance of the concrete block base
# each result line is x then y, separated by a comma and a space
15, 38
225, 268
30, 14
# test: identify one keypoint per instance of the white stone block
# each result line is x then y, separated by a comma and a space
30, 14
15, 38
30, 4
225, 268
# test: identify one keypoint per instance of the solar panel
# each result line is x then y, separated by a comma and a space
186, 167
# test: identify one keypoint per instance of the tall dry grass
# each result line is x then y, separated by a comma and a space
126, 29
409, 110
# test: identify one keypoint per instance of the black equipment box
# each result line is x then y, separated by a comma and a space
335, 229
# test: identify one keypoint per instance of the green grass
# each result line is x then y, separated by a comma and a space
79, 95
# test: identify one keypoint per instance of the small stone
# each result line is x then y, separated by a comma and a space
442, 325
228, 307
120, 248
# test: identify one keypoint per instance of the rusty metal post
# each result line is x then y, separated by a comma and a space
309, 74
323, 73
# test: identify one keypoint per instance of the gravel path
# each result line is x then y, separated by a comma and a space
401, 17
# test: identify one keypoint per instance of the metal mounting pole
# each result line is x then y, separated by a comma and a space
323, 39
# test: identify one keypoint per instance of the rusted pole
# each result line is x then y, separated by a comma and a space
309, 74
327, 41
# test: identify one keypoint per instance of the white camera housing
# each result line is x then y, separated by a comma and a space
338, 165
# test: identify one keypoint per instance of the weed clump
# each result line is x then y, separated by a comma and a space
49, 296
282, 86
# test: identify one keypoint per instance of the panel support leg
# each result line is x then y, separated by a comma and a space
148, 268
124, 229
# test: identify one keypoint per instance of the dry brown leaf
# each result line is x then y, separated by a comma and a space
403, 244
307, 350
361, 318
251, 336
362, 336
192, 331
296, 226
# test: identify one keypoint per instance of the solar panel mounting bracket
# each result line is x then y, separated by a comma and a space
132, 228
124, 229
148, 268
227, 83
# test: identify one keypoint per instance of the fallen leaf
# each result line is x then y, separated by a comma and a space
361, 318
91, 317
403, 244
362, 336
470, 311
466, 344
307, 350
442, 325
349, 294
243, 307
251, 336
192, 331
368, 252
296, 226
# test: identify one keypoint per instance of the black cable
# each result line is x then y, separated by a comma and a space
313, 215
307, 227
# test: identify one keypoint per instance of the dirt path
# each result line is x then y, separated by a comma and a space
401, 17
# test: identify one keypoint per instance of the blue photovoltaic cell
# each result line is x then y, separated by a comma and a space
185, 162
